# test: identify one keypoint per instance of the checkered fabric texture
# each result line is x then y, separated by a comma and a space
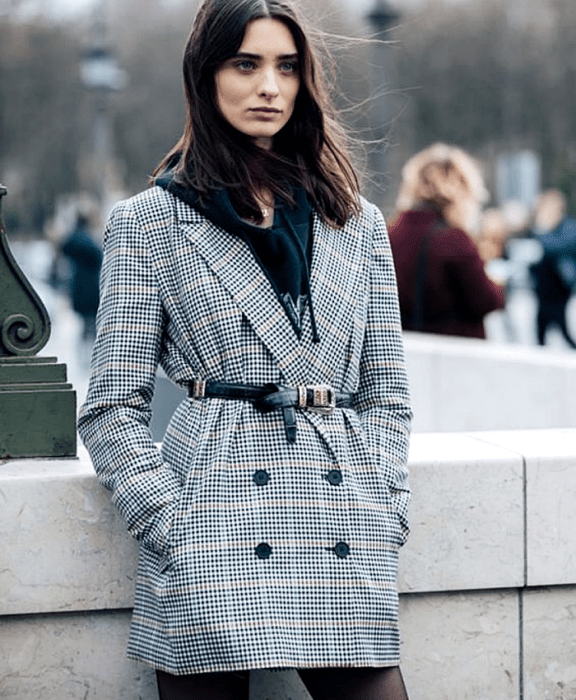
255, 552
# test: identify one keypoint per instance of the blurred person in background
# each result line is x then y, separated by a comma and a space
554, 274
442, 282
494, 232
271, 518
492, 236
85, 258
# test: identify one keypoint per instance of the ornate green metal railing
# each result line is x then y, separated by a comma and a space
24, 321
37, 405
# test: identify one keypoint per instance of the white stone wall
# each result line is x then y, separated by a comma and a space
488, 577
463, 384
489, 572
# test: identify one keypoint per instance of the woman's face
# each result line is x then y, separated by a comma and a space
256, 89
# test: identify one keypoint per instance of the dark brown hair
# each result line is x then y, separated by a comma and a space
311, 150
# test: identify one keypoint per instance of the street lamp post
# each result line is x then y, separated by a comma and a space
381, 17
101, 75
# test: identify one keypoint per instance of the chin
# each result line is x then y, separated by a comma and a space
262, 134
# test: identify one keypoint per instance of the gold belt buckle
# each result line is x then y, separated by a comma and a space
323, 399
198, 389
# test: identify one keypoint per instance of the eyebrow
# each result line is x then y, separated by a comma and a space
256, 57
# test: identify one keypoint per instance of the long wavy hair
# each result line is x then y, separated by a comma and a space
311, 150
448, 180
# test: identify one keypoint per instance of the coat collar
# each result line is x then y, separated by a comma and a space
235, 267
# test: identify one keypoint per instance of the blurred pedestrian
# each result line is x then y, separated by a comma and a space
494, 232
492, 236
442, 284
554, 274
270, 519
85, 259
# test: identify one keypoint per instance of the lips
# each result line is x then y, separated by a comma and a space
266, 110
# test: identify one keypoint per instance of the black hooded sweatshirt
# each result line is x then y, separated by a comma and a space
284, 251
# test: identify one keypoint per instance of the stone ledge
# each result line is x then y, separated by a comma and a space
467, 516
464, 384
472, 606
77, 656
65, 548
550, 463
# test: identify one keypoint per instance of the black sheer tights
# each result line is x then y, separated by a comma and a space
322, 684
355, 683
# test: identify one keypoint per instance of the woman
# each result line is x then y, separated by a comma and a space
271, 518
442, 285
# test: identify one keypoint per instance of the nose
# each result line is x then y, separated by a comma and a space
269, 85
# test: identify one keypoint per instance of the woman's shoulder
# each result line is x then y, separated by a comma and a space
369, 211
154, 205
133, 220
451, 242
153, 199
411, 225
368, 217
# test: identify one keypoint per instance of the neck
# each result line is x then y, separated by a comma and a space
265, 201
265, 142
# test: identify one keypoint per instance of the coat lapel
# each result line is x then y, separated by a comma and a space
336, 259
236, 269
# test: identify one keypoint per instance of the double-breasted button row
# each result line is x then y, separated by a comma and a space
261, 477
264, 550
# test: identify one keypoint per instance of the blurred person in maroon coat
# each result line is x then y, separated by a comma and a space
442, 283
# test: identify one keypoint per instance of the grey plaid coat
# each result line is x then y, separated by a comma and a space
255, 552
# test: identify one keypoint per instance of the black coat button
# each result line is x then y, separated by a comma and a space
342, 550
263, 550
261, 477
335, 477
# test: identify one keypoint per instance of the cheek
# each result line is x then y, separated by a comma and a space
293, 94
228, 92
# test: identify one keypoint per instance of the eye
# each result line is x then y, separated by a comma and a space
245, 65
289, 66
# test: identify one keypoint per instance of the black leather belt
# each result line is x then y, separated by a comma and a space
270, 397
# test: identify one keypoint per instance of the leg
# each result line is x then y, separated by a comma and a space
542, 322
203, 686
355, 683
563, 325
89, 331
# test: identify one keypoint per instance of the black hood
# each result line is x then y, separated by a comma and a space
283, 251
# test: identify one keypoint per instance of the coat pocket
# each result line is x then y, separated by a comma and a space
371, 481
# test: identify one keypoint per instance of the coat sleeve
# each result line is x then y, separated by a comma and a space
383, 399
113, 422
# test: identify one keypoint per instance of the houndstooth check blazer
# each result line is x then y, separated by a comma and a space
255, 552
